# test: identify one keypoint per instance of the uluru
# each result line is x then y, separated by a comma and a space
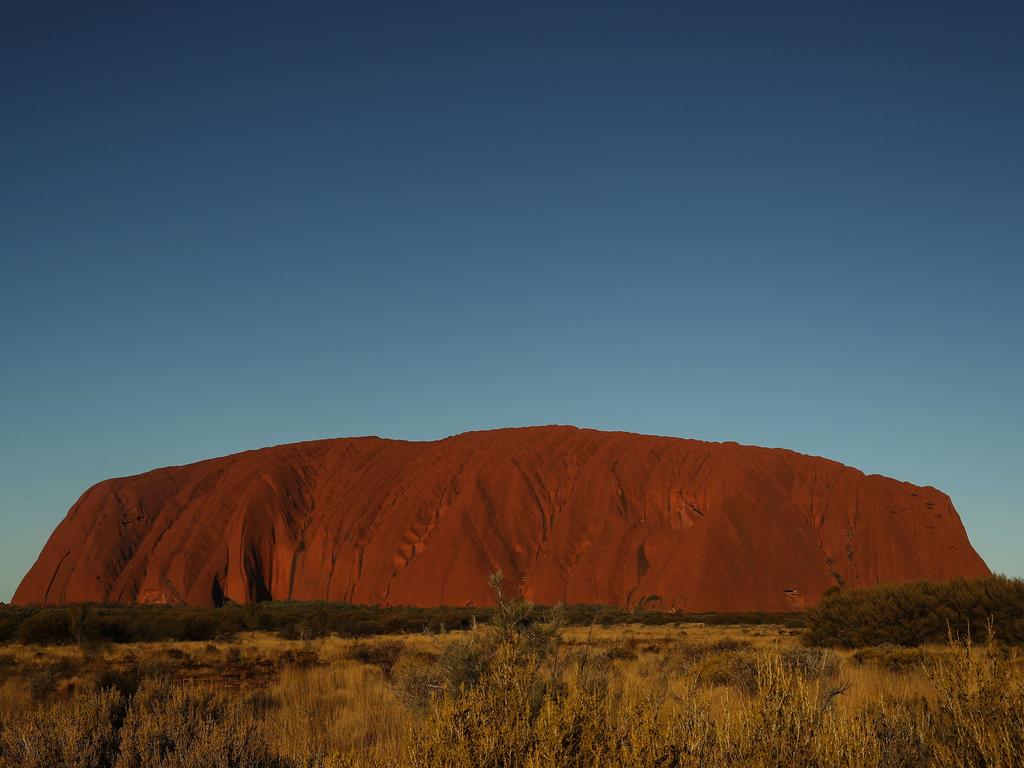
571, 515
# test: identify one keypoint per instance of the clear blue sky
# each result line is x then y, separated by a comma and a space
796, 224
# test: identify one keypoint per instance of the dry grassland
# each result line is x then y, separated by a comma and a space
515, 693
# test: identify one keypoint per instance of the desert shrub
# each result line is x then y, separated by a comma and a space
109, 629
488, 724
78, 733
306, 630
651, 729
43, 679
417, 682
715, 669
300, 658
683, 656
252, 617
728, 644
518, 716
622, 650
810, 663
892, 658
66, 666
128, 675
518, 704
78, 621
882, 733
124, 681
464, 662
917, 613
94, 651
177, 654
42, 682
980, 707
8, 665
175, 726
261, 702
45, 627
8, 627
783, 720
515, 708
199, 628
517, 633
383, 654
728, 668
157, 667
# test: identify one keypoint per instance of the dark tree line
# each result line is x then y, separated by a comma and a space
298, 620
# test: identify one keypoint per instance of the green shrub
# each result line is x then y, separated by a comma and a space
45, 627
9, 627
917, 613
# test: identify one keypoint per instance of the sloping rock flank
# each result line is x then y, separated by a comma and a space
571, 515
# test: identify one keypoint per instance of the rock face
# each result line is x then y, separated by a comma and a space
568, 514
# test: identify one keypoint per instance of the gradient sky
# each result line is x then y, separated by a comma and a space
786, 224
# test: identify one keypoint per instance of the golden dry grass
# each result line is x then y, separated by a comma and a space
628, 695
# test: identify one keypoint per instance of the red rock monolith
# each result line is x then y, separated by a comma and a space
572, 515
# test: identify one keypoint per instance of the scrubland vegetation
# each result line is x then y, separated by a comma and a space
301, 621
527, 688
918, 613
